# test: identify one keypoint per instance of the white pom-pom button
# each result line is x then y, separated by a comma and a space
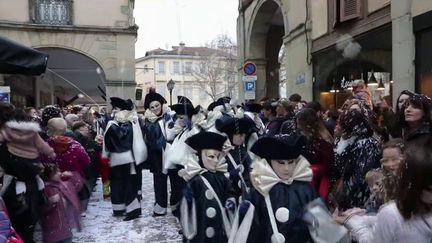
282, 214
211, 212
209, 195
210, 232
278, 238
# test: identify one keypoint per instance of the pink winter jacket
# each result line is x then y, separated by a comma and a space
22, 139
59, 217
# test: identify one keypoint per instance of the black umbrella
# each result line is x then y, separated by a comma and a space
16, 58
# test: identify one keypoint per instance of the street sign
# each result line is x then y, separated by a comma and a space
249, 68
249, 86
249, 95
249, 78
301, 78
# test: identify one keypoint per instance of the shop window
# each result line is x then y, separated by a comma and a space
53, 12
349, 9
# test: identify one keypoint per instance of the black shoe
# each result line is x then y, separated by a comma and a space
158, 214
131, 217
118, 214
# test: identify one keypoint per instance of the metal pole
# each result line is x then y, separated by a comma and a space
170, 96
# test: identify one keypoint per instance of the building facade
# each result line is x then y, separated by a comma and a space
326, 44
91, 47
200, 73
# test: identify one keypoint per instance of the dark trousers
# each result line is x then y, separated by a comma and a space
119, 183
133, 193
161, 188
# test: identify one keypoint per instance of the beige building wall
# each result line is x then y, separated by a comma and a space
102, 12
185, 83
319, 17
14, 10
296, 12
374, 5
105, 34
420, 6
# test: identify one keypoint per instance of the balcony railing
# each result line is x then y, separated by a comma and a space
52, 12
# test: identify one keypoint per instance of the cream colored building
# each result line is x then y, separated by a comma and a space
394, 38
91, 45
188, 67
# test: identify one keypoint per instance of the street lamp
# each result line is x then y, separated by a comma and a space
170, 86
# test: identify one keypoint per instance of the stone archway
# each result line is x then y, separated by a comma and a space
265, 37
70, 74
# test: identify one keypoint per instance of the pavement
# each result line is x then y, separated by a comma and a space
100, 226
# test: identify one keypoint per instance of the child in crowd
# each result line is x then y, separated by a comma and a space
391, 160
7, 232
61, 213
374, 179
20, 154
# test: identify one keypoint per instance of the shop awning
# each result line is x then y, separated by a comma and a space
16, 58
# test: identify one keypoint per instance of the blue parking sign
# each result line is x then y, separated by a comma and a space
249, 86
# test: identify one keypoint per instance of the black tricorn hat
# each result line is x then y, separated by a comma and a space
214, 104
183, 100
234, 125
224, 99
184, 109
206, 140
153, 96
253, 107
122, 104
279, 147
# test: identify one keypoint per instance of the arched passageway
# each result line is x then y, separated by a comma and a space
265, 40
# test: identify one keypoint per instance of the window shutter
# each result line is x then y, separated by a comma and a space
349, 9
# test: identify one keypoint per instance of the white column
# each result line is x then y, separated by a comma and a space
403, 47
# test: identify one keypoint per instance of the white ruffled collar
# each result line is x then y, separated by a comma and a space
192, 167
150, 116
263, 177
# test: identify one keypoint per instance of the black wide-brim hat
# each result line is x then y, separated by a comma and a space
184, 109
206, 140
234, 125
253, 107
183, 100
122, 104
279, 147
153, 96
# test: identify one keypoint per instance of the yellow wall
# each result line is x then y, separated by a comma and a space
319, 15
420, 6
99, 12
14, 10
374, 5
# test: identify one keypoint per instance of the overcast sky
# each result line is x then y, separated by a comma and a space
164, 23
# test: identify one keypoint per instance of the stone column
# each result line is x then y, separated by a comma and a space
403, 47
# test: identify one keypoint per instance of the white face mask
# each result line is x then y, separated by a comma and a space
181, 120
284, 169
155, 107
210, 159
